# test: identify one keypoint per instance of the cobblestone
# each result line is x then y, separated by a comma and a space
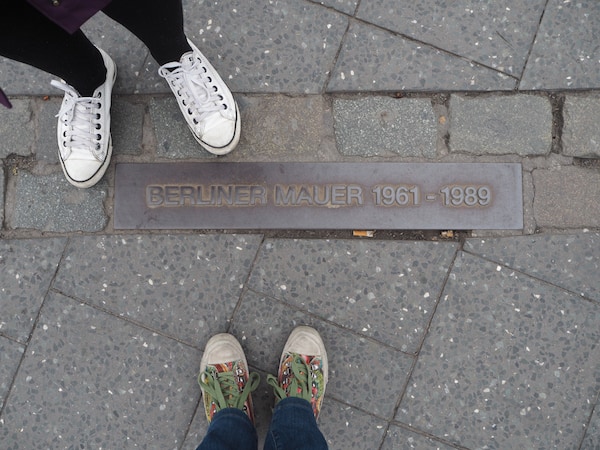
380, 126
49, 203
581, 134
282, 128
500, 125
567, 197
16, 129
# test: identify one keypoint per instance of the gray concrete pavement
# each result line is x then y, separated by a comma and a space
488, 340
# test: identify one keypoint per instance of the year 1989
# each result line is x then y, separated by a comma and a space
453, 195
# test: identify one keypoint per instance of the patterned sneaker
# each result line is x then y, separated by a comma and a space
302, 368
83, 132
205, 101
224, 377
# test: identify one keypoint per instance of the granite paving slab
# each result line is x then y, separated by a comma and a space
398, 438
349, 428
592, 435
27, 267
381, 289
565, 54
372, 59
509, 362
10, 357
20, 79
284, 46
185, 286
263, 325
496, 34
569, 261
346, 6
93, 379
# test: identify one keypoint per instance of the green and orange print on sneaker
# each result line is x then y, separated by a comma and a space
302, 368
224, 377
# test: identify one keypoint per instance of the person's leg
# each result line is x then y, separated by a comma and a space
204, 99
226, 394
27, 36
299, 390
157, 23
230, 429
83, 132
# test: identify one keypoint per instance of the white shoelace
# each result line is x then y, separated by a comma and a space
83, 134
194, 87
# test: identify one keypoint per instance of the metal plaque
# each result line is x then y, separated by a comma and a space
303, 196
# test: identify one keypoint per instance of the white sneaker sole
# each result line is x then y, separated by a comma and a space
220, 151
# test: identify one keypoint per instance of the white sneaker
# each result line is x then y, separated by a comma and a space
83, 132
205, 101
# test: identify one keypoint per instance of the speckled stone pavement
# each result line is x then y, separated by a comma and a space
488, 340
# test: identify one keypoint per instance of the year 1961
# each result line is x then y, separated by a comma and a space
470, 196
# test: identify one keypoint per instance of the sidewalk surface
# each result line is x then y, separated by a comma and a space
485, 340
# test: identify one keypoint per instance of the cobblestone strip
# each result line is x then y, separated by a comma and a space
543, 132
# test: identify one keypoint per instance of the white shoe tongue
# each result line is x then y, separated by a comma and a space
187, 61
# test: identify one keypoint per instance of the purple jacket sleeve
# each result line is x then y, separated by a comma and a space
69, 14
4, 100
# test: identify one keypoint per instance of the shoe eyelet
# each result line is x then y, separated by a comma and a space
98, 116
98, 137
224, 106
98, 126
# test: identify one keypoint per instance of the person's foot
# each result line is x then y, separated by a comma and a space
224, 377
83, 131
302, 368
205, 101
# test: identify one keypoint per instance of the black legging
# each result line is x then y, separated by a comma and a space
28, 36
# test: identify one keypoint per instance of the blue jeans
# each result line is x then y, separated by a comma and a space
293, 427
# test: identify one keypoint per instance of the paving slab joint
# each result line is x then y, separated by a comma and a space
557, 100
14, 162
441, 108
588, 163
